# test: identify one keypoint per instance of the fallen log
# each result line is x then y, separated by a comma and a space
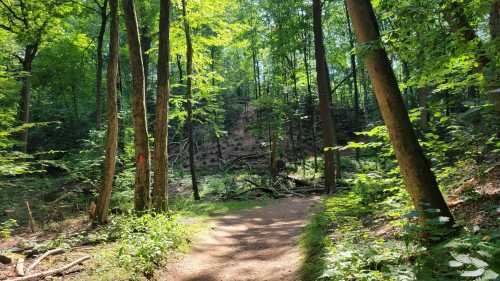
50, 272
40, 258
299, 182
273, 193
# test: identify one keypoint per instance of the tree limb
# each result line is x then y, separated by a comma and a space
51, 272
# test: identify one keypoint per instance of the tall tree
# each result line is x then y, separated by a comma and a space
160, 194
112, 130
495, 19
142, 161
418, 177
189, 99
324, 90
29, 21
103, 13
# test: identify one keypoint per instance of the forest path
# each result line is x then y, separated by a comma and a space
252, 245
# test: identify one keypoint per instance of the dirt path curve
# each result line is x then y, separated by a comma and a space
252, 245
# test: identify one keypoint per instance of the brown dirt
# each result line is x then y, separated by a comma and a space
252, 245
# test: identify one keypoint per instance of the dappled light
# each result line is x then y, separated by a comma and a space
250, 140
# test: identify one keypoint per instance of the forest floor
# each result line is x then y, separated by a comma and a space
256, 244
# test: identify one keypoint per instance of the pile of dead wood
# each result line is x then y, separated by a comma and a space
283, 186
24, 271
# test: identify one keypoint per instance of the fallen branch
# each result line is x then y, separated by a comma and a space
273, 193
20, 267
50, 272
30, 218
40, 258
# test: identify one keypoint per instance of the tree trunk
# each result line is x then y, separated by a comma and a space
189, 97
415, 169
495, 20
100, 63
25, 102
160, 193
121, 118
354, 72
423, 93
141, 197
112, 130
324, 90
456, 18
310, 102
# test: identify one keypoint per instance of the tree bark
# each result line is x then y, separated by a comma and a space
189, 97
141, 197
112, 130
495, 20
415, 169
324, 90
160, 193
456, 18
100, 63
25, 116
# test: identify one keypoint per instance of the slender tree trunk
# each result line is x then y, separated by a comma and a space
112, 130
310, 102
25, 116
100, 62
273, 163
142, 158
357, 119
189, 97
324, 90
424, 111
495, 20
121, 118
418, 177
160, 193
217, 136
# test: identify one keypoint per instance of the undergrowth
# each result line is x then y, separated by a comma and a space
370, 233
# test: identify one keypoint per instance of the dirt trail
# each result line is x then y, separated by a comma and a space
252, 245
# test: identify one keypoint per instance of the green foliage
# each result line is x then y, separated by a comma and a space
6, 228
346, 242
143, 241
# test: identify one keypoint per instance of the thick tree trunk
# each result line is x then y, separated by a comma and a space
112, 130
189, 97
100, 63
141, 200
324, 90
418, 177
495, 20
160, 192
